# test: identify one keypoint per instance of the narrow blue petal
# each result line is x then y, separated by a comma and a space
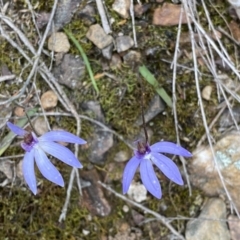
47, 168
17, 130
129, 172
28, 171
169, 147
60, 152
167, 166
149, 178
61, 136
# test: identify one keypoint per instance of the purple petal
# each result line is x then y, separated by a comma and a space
149, 178
169, 147
61, 136
28, 171
129, 172
60, 152
167, 166
47, 168
17, 130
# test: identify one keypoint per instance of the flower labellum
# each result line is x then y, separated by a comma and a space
35, 150
146, 156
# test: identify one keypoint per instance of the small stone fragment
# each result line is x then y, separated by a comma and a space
100, 144
168, 15
101, 141
19, 171
155, 107
125, 233
121, 156
226, 119
140, 9
132, 57
234, 225
85, 232
107, 52
95, 108
97, 35
42, 19
49, 100
64, 13
125, 208
88, 14
116, 61
206, 92
122, 7
234, 27
19, 111
6, 166
138, 218
123, 43
58, 42
198, 229
70, 71
137, 192
40, 126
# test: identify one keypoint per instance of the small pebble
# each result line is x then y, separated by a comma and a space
40, 126
206, 92
49, 100
58, 42
137, 192
19, 111
121, 156
85, 232
125, 208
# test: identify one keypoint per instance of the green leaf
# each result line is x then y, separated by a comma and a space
152, 80
10, 136
85, 59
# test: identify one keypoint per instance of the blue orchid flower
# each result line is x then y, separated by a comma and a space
146, 156
35, 150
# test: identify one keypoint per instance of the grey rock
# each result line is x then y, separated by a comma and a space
155, 107
200, 229
64, 13
101, 140
226, 118
94, 107
97, 35
70, 71
87, 14
42, 19
124, 43
107, 52
203, 171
